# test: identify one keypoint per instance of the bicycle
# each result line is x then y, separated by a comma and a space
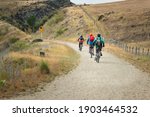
98, 55
91, 50
80, 46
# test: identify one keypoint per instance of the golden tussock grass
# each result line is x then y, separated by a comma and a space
141, 62
60, 59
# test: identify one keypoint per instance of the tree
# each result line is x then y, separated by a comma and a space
31, 22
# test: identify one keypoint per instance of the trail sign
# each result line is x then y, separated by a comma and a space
41, 29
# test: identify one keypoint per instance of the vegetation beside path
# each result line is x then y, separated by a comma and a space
141, 62
24, 71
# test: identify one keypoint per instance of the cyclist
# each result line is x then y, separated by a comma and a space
99, 43
80, 40
90, 41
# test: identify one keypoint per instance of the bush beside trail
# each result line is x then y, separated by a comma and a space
24, 71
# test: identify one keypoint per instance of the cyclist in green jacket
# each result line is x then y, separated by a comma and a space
99, 43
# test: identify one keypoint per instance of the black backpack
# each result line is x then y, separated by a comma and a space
98, 42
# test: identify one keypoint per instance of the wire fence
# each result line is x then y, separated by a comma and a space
136, 50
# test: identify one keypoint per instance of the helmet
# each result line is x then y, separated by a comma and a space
91, 34
81, 36
98, 35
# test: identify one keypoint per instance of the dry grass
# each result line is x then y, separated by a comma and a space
58, 64
9, 32
141, 62
17, 3
144, 44
127, 21
76, 22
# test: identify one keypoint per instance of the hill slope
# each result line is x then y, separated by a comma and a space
30, 14
27, 15
127, 21
9, 34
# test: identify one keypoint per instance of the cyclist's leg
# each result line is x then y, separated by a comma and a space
96, 53
93, 49
90, 48
79, 45
96, 50
101, 51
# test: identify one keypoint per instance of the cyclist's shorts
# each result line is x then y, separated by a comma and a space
92, 46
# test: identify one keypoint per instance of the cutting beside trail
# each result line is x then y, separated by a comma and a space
112, 78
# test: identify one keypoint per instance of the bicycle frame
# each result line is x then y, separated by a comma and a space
91, 50
80, 46
98, 55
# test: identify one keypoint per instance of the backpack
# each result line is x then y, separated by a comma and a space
92, 38
98, 42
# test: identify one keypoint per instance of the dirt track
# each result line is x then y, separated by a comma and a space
112, 78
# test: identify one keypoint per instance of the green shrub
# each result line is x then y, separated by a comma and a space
4, 31
9, 69
2, 83
60, 31
31, 22
44, 68
13, 40
19, 45
3, 75
58, 17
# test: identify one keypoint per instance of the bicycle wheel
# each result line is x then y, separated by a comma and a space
80, 47
98, 59
91, 53
98, 55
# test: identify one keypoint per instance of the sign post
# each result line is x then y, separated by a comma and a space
41, 29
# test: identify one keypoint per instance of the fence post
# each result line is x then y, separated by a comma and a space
132, 50
136, 50
143, 53
129, 49
126, 47
139, 52
148, 52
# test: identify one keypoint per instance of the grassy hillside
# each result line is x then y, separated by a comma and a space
29, 15
127, 21
10, 34
24, 70
67, 24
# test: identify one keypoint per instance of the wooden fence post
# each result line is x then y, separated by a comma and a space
139, 51
132, 50
136, 50
143, 53
148, 52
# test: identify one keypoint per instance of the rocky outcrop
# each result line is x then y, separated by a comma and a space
38, 12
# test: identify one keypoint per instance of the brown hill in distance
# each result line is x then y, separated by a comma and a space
127, 21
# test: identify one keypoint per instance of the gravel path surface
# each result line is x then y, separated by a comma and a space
112, 78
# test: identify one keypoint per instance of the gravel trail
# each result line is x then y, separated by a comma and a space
112, 78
